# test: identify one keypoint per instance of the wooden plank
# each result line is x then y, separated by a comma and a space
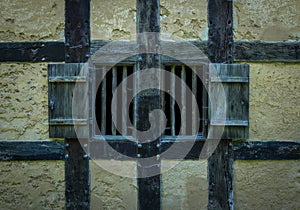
172, 104
77, 31
244, 51
195, 119
148, 20
31, 150
54, 150
77, 49
220, 163
103, 102
229, 100
125, 90
61, 93
258, 51
32, 51
183, 101
267, 150
77, 178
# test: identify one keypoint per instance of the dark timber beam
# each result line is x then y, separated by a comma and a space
54, 150
247, 51
148, 20
77, 50
31, 150
220, 50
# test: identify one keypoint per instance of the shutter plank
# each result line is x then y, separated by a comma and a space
62, 79
233, 79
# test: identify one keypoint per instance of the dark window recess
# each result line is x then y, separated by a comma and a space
177, 117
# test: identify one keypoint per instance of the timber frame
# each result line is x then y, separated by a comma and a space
71, 152
243, 51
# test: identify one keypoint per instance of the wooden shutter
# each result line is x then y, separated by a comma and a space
65, 113
228, 92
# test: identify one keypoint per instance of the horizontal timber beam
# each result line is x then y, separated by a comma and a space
54, 150
244, 51
267, 150
31, 150
52, 51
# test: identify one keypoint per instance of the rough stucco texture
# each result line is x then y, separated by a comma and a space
32, 185
275, 101
23, 108
267, 185
31, 20
267, 20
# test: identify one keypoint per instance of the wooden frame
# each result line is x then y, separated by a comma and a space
77, 162
245, 51
242, 150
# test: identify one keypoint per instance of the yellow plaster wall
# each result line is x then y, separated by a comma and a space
32, 185
274, 106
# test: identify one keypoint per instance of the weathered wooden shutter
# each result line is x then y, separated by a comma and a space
64, 112
229, 101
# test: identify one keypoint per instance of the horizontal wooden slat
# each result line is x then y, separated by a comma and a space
67, 79
245, 150
68, 122
248, 51
230, 122
230, 79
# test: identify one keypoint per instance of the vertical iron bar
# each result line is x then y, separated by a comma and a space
77, 49
220, 164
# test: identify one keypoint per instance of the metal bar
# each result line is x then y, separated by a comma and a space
114, 106
172, 108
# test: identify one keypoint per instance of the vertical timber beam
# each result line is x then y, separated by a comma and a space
148, 20
77, 49
220, 164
